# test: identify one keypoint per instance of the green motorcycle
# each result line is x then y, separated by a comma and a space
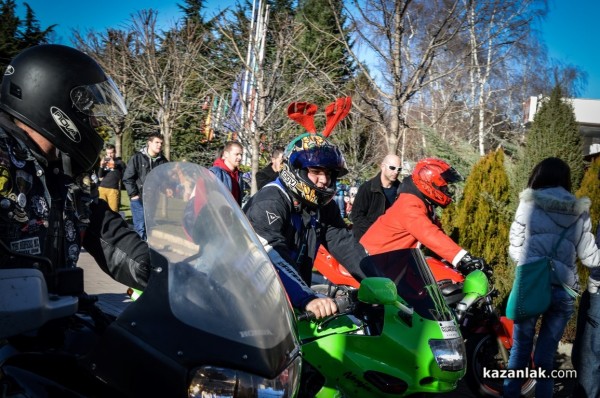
391, 337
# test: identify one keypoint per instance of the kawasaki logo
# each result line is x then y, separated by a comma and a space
66, 125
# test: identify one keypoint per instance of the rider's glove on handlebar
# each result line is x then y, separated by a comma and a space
468, 264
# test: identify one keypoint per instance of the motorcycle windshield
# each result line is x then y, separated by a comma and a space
414, 281
220, 279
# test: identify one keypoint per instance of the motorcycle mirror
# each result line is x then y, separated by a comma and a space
476, 282
26, 304
377, 291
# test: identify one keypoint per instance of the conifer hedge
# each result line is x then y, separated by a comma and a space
480, 221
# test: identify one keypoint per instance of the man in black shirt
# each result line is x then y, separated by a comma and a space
110, 175
138, 166
271, 171
375, 196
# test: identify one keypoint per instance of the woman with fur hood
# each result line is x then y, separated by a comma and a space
547, 207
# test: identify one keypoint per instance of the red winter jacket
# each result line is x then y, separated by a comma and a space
410, 221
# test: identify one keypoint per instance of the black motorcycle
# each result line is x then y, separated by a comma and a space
213, 321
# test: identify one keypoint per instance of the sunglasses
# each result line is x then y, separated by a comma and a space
393, 168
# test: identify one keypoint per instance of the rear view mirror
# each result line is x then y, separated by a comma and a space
377, 291
25, 304
476, 282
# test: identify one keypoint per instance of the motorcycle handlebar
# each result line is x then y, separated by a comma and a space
343, 304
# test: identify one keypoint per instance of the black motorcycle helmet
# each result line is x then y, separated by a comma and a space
311, 150
60, 92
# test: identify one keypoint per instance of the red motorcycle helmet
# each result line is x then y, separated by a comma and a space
433, 177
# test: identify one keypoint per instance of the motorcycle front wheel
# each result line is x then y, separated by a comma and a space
483, 352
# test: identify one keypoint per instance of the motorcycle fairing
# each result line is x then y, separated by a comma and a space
414, 281
213, 298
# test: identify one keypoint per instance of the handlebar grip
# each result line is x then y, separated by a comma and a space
342, 302
306, 316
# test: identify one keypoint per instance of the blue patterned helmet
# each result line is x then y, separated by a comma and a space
311, 150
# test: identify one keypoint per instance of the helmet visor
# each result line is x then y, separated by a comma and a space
451, 176
100, 100
326, 156
449, 190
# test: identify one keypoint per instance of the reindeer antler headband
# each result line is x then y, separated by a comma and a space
303, 113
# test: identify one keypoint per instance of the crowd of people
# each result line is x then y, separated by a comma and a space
47, 202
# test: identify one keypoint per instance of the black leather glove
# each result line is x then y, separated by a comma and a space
469, 264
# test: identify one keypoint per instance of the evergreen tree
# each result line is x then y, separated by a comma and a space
16, 34
127, 145
554, 132
187, 138
458, 153
193, 11
9, 27
482, 219
590, 187
32, 34
321, 31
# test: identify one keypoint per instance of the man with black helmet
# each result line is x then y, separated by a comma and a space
412, 220
296, 213
50, 102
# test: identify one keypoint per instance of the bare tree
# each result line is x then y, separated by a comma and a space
276, 74
113, 51
163, 66
153, 70
401, 38
497, 30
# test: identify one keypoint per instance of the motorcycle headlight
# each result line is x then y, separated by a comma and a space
211, 381
449, 353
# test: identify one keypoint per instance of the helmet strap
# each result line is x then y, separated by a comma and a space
297, 205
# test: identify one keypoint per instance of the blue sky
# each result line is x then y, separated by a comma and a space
570, 35
102, 14
568, 30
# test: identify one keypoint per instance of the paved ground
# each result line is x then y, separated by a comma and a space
112, 295
113, 298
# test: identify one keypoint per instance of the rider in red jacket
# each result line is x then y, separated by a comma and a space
412, 220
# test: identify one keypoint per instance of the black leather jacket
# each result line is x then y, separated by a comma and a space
291, 236
369, 204
138, 167
47, 214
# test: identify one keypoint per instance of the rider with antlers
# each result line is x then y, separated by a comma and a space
295, 214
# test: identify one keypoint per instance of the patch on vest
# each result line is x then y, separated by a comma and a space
27, 246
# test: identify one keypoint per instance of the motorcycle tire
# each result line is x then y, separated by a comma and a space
482, 351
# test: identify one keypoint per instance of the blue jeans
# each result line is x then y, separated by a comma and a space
554, 321
586, 348
339, 200
137, 213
